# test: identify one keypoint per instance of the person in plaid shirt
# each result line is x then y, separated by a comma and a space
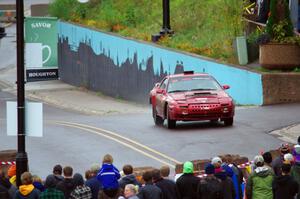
81, 191
51, 192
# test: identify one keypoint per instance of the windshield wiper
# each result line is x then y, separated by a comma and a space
203, 89
176, 91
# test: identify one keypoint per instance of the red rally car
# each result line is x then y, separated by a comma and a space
191, 97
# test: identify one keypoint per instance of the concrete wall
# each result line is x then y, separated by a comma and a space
281, 88
128, 69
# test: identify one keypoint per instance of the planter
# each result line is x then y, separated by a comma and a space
279, 56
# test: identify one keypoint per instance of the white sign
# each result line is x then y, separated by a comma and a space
33, 119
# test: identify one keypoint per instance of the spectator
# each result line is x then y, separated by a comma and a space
226, 181
37, 183
268, 160
295, 172
187, 184
81, 191
210, 187
57, 172
87, 174
165, 171
108, 176
130, 191
276, 164
6, 186
288, 158
51, 192
27, 190
259, 184
11, 173
168, 187
93, 182
67, 184
217, 162
149, 191
129, 177
285, 186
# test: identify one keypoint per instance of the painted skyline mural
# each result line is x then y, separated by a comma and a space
128, 69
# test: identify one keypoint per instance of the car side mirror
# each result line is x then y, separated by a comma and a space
225, 87
160, 91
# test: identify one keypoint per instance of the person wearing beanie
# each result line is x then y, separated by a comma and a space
210, 187
81, 191
277, 163
285, 186
217, 162
51, 192
259, 184
187, 183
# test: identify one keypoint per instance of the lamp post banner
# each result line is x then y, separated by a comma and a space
41, 47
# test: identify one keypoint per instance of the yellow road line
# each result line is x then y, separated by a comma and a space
116, 140
125, 138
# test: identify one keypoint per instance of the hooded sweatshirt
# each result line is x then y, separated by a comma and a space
128, 179
284, 187
27, 192
259, 184
187, 183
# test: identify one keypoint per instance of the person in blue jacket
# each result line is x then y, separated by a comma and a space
108, 176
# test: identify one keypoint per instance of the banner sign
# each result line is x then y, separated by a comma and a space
41, 48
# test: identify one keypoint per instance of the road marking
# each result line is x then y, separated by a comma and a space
127, 139
116, 140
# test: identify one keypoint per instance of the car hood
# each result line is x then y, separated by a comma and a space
199, 96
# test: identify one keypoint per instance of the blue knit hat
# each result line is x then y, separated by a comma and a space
209, 169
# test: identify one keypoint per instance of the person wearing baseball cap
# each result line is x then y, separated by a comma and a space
277, 163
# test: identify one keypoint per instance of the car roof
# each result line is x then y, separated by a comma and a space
189, 75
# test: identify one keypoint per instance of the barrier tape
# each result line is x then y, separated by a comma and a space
8, 163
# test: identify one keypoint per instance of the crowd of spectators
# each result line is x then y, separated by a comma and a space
263, 179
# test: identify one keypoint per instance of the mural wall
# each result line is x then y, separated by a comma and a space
128, 69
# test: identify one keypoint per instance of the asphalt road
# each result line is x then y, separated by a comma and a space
71, 138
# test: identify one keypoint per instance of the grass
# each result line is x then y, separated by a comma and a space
203, 27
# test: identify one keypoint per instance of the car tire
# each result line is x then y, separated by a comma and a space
171, 124
157, 119
228, 121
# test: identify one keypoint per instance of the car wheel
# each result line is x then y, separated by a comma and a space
157, 120
171, 124
228, 121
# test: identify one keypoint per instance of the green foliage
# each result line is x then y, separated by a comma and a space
203, 27
279, 23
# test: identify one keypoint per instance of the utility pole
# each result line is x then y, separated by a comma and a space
21, 158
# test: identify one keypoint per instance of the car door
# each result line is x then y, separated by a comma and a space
161, 97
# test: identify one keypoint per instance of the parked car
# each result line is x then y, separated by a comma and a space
191, 97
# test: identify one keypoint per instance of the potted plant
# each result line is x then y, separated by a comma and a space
279, 46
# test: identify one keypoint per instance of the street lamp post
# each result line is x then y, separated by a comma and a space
166, 28
21, 158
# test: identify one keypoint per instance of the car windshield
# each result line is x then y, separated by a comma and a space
181, 84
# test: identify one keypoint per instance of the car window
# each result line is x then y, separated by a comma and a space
192, 84
163, 85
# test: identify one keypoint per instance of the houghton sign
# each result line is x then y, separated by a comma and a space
41, 48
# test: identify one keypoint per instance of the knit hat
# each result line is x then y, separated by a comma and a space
78, 179
216, 160
258, 159
188, 167
285, 148
288, 158
11, 171
50, 181
209, 169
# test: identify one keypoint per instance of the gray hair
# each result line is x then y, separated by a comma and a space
132, 187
